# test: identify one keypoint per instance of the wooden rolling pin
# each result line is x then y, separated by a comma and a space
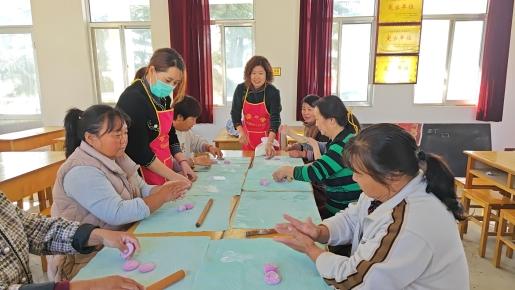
167, 281
204, 213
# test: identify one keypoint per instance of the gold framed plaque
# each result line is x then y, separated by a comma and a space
400, 11
398, 39
398, 69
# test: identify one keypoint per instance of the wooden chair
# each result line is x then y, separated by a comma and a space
491, 202
45, 211
505, 236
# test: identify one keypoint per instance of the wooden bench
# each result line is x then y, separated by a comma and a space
491, 202
30, 139
505, 237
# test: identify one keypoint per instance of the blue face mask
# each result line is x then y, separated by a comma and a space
161, 89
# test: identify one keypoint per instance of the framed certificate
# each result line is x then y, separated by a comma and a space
398, 39
400, 11
396, 69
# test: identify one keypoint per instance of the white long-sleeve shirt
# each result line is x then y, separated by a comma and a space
409, 242
191, 143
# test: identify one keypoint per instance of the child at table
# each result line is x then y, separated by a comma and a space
185, 117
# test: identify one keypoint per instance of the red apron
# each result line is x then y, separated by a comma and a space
256, 122
161, 145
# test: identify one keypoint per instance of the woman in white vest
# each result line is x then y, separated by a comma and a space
402, 229
99, 184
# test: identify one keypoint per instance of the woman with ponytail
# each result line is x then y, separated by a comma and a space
403, 229
334, 121
99, 184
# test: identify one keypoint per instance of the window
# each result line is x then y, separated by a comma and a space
121, 41
450, 52
232, 44
19, 89
351, 52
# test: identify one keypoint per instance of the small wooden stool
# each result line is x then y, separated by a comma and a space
489, 201
505, 236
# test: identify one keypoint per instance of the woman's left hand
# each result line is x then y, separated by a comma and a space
215, 151
283, 173
294, 239
188, 172
269, 150
312, 142
113, 239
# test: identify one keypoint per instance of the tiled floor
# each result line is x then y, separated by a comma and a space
483, 275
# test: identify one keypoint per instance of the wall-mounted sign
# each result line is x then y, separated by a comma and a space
398, 69
398, 39
400, 11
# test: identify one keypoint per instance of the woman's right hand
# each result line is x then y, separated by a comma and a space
174, 189
294, 147
308, 227
297, 154
243, 138
108, 283
180, 177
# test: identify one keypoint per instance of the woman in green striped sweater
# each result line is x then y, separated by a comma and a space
336, 122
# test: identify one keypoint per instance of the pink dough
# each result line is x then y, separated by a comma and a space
264, 182
272, 278
130, 265
270, 267
188, 206
277, 158
130, 250
185, 207
227, 161
147, 267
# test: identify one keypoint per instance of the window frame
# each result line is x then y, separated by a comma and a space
231, 23
453, 18
25, 29
121, 26
341, 20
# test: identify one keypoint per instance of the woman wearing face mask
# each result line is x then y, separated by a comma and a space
148, 101
260, 104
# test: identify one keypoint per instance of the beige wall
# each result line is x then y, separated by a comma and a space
160, 24
63, 57
66, 76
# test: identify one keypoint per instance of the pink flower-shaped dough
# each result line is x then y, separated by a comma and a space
272, 278
270, 267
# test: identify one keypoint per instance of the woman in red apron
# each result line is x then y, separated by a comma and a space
256, 107
148, 102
